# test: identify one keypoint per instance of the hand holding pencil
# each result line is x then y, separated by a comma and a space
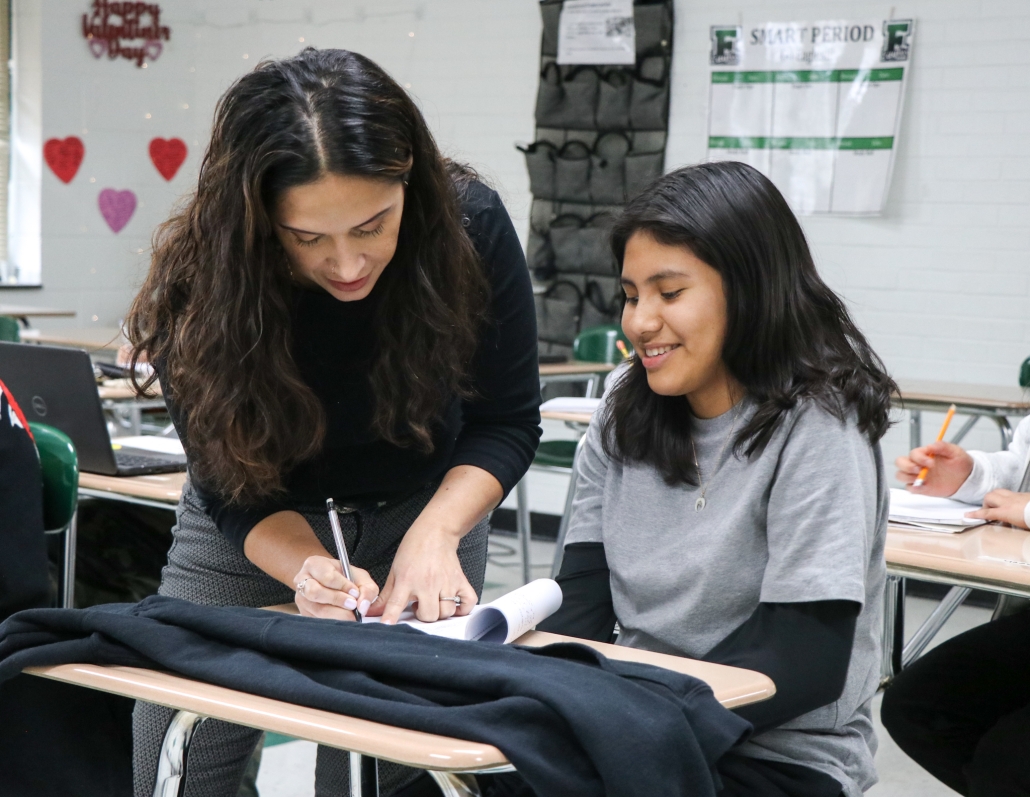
938, 469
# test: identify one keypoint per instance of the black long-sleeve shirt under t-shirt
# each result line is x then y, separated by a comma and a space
334, 344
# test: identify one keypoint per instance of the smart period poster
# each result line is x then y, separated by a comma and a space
815, 106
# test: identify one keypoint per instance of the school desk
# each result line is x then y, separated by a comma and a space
24, 312
575, 371
992, 557
161, 490
444, 757
90, 338
996, 402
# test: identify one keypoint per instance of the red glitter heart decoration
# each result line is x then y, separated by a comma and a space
167, 155
64, 157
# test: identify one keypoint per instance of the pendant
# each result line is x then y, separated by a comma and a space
699, 504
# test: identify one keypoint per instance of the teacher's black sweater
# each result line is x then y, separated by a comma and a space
333, 345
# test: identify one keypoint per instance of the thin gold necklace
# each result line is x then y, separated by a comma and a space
700, 503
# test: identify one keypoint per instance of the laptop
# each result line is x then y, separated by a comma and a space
55, 385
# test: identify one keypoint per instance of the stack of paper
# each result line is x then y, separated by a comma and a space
931, 514
571, 404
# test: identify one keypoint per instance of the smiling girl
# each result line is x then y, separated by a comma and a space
337, 312
732, 504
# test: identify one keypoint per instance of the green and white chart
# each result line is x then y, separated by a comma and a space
815, 106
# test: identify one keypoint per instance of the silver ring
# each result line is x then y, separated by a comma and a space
300, 587
456, 599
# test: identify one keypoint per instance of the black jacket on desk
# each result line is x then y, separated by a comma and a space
333, 342
574, 723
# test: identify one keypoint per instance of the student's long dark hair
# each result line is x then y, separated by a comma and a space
789, 338
215, 308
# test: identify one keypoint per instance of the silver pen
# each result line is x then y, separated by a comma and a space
341, 547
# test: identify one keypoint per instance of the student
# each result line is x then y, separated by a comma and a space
732, 504
962, 711
337, 312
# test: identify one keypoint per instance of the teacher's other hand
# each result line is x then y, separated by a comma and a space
323, 590
426, 569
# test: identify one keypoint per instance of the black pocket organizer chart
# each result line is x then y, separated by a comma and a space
601, 132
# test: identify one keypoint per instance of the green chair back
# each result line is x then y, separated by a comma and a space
9, 329
1024, 373
557, 453
597, 344
60, 465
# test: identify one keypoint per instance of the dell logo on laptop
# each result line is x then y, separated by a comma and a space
39, 406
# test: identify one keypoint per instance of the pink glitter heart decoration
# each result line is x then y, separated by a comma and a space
116, 207
152, 49
98, 47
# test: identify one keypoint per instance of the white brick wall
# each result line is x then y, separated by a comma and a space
939, 283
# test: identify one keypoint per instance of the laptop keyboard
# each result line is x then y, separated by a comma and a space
138, 460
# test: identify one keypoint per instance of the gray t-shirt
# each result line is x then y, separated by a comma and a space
805, 520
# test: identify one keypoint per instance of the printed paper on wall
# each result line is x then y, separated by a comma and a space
596, 32
815, 106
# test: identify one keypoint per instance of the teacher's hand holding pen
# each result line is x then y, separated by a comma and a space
323, 590
947, 467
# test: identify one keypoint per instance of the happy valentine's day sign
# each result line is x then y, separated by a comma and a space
125, 30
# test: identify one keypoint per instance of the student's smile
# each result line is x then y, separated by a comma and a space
654, 355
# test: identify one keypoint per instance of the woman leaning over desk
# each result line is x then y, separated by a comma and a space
731, 503
338, 312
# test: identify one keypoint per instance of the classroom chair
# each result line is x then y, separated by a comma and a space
60, 467
593, 345
9, 329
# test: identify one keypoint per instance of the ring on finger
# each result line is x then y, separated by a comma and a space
456, 599
300, 586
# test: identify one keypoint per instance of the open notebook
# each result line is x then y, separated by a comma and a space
931, 514
502, 620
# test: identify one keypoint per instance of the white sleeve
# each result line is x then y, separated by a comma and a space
998, 470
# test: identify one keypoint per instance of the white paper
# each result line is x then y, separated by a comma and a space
815, 106
162, 445
907, 507
501, 621
571, 404
596, 32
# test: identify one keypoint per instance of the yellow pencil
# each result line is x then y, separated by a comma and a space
622, 347
940, 436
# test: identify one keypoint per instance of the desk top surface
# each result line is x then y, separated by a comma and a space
106, 338
574, 367
117, 389
993, 555
164, 487
944, 393
732, 686
28, 311
574, 417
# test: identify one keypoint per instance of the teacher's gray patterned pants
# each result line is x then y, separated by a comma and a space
204, 567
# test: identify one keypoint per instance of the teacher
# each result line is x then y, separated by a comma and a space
337, 312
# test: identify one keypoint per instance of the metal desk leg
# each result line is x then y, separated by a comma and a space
70, 545
452, 785
928, 630
523, 528
364, 776
1005, 430
563, 527
893, 628
171, 765
964, 430
915, 429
